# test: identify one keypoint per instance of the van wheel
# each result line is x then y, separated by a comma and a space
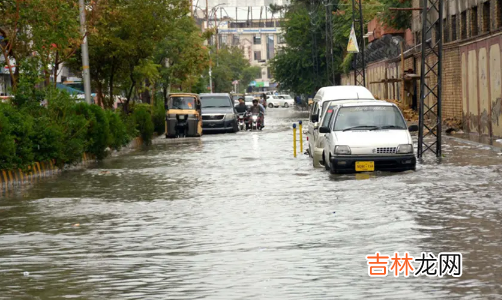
326, 166
271, 105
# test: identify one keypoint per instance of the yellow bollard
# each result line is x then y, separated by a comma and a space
294, 139
301, 136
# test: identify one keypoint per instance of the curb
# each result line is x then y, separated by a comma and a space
15, 178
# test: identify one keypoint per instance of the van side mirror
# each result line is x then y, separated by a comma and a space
413, 128
314, 118
324, 129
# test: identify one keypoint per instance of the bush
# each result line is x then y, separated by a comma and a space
119, 136
62, 114
7, 141
143, 122
98, 129
22, 130
48, 140
159, 117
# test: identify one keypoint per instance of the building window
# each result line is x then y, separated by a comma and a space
446, 32
257, 55
499, 13
282, 40
235, 40
454, 27
257, 40
270, 47
486, 17
269, 72
437, 32
474, 21
463, 28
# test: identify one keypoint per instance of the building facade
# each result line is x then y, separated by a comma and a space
472, 65
259, 41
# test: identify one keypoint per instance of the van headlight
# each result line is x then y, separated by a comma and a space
404, 149
342, 150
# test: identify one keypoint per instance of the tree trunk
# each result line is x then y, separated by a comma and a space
164, 93
56, 69
112, 75
13, 78
129, 94
145, 95
99, 87
47, 76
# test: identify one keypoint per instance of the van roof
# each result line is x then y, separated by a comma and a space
368, 103
343, 92
342, 102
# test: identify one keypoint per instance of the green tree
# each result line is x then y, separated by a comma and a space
301, 66
230, 65
49, 28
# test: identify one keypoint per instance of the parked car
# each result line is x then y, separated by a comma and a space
318, 107
367, 136
279, 101
328, 110
218, 113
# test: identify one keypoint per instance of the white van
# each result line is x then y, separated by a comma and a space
367, 136
320, 102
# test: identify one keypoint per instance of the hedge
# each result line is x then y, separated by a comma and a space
66, 129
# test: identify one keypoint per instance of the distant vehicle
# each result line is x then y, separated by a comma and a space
319, 104
248, 100
183, 115
218, 113
366, 137
280, 101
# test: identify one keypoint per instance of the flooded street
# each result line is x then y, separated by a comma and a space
236, 216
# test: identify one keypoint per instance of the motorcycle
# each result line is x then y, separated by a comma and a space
242, 124
255, 122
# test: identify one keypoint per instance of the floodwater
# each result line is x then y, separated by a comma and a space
236, 216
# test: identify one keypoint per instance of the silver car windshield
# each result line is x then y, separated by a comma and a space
368, 118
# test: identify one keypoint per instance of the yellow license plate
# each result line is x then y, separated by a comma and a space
365, 166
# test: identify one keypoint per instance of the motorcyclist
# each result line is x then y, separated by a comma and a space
257, 108
241, 107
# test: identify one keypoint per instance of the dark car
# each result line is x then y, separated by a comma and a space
218, 113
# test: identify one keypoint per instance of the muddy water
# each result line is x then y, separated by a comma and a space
235, 216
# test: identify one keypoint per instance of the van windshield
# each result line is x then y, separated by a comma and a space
215, 101
369, 118
181, 103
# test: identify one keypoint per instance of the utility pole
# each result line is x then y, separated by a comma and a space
210, 61
430, 117
85, 54
359, 60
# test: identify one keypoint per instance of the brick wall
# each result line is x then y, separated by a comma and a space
452, 90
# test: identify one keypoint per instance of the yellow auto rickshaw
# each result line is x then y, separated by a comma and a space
183, 115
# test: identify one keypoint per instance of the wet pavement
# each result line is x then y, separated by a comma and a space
235, 216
